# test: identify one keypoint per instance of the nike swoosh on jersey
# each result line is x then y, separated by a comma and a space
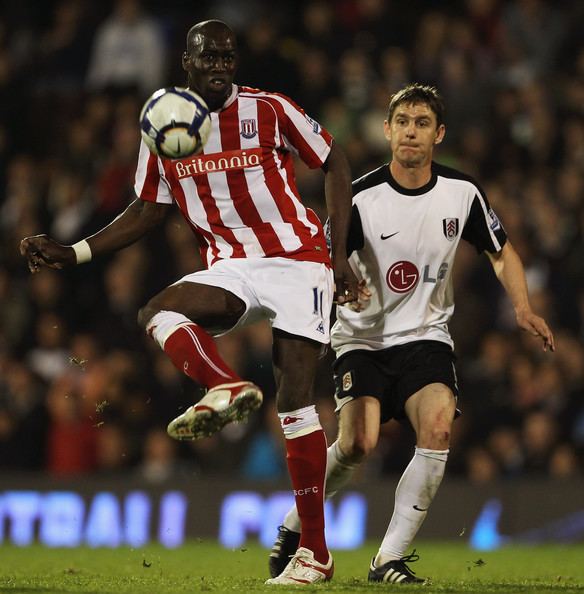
388, 236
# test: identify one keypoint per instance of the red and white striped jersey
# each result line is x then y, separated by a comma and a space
239, 195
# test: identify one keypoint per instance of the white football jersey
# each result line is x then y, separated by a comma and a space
403, 244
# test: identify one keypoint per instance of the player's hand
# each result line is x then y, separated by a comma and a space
536, 326
346, 284
364, 295
41, 250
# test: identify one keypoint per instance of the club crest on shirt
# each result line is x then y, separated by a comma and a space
347, 381
249, 128
450, 228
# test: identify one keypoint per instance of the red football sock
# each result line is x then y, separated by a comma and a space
194, 352
306, 457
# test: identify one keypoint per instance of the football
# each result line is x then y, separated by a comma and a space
175, 123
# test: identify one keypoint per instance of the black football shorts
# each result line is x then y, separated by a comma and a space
392, 375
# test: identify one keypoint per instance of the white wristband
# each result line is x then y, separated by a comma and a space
82, 251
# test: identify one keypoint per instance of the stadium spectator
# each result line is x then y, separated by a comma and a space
115, 181
276, 267
129, 52
481, 467
71, 433
112, 452
63, 52
316, 80
263, 459
263, 62
504, 444
49, 357
159, 462
533, 32
395, 355
319, 30
14, 313
22, 410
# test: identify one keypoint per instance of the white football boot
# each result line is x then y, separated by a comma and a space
304, 569
221, 405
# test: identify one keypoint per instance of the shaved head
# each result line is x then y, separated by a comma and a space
212, 28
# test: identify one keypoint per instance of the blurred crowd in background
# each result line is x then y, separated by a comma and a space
83, 390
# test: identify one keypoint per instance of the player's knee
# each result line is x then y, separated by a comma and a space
434, 436
357, 447
145, 314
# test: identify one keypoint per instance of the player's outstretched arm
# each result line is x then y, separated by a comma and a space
510, 272
338, 194
139, 218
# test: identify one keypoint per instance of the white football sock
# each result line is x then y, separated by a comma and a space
164, 323
338, 474
413, 496
296, 423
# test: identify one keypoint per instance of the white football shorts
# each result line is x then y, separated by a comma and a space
296, 297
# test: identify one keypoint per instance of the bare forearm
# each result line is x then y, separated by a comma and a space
510, 272
338, 194
511, 275
139, 218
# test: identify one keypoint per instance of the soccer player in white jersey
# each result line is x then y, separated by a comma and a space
265, 256
395, 355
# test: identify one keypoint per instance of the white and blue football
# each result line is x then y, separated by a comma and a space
175, 123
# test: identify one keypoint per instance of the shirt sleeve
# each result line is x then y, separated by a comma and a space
305, 135
483, 228
149, 183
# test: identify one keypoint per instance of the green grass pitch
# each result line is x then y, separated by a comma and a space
206, 567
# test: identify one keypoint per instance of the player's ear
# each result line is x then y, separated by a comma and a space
186, 61
440, 134
387, 130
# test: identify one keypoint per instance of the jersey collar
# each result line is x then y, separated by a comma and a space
407, 191
232, 97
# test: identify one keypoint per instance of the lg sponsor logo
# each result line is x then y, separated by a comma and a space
403, 276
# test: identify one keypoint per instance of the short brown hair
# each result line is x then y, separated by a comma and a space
418, 93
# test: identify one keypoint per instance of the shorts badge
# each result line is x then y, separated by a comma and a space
347, 381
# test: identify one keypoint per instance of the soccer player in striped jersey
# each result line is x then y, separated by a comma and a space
265, 255
394, 352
